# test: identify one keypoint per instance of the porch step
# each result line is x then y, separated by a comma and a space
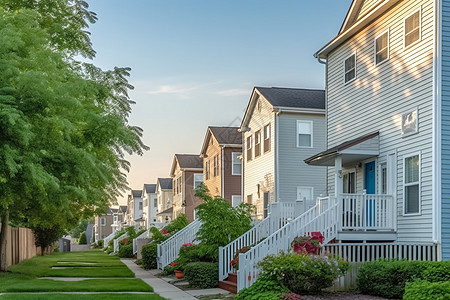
229, 284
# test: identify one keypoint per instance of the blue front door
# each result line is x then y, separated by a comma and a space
369, 185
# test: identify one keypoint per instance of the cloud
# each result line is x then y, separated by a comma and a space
233, 92
171, 89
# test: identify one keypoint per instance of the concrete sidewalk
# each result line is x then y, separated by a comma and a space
165, 289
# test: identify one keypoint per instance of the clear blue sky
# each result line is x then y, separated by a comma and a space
195, 62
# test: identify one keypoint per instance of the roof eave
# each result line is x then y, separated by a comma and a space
301, 110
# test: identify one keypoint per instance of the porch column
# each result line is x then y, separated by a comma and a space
338, 175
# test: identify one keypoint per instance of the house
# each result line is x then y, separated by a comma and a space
281, 127
150, 206
186, 174
164, 195
119, 218
222, 167
134, 209
103, 224
388, 122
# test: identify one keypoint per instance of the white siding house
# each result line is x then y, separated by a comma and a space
387, 111
150, 206
281, 127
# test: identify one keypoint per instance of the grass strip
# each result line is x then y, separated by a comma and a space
81, 296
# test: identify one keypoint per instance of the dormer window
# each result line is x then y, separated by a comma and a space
412, 28
350, 68
382, 48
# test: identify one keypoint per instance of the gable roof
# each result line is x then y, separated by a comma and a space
165, 183
136, 193
287, 99
150, 188
225, 136
123, 208
361, 13
187, 162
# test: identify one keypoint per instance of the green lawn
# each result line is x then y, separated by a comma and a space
93, 263
80, 296
24, 278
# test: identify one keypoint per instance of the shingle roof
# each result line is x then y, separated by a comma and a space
137, 193
114, 210
189, 161
150, 188
227, 135
165, 183
292, 97
123, 208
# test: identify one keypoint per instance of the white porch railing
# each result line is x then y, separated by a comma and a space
146, 234
116, 242
367, 211
169, 249
312, 220
107, 239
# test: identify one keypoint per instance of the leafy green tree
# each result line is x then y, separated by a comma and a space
64, 123
221, 223
82, 240
81, 227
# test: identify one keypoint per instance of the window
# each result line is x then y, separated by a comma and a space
236, 200
174, 184
304, 133
304, 193
267, 138
156, 203
250, 199
207, 170
349, 181
412, 28
198, 179
409, 123
350, 68
266, 204
412, 184
382, 48
236, 167
216, 165
383, 179
249, 148
140, 205
257, 143
103, 221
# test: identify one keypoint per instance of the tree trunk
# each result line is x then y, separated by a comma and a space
3, 241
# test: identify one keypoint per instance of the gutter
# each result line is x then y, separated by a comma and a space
282, 109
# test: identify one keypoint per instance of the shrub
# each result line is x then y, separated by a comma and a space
82, 240
304, 273
149, 254
176, 225
131, 232
168, 270
126, 251
100, 243
202, 274
138, 262
118, 234
424, 290
193, 253
264, 288
308, 244
387, 277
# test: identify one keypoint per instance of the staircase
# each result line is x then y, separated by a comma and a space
230, 284
319, 218
169, 249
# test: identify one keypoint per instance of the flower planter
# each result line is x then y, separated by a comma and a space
179, 274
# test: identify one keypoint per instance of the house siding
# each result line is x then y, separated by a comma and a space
189, 194
214, 183
445, 131
378, 97
259, 170
232, 183
293, 171
368, 6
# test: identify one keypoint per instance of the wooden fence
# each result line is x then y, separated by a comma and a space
21, 245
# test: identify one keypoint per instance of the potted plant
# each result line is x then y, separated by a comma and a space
178, 273
235, 261
308, 244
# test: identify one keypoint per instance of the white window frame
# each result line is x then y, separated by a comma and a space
233, 170
375, 47
420, 28
345, 72
249, 147
235, 198
411, 184
305, 187
416, 110
312, 133
103, 221
258, 143
195, 180
382, 166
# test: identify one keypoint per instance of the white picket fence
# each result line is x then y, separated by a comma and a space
146, 234
116, 242
313, 220
169, 249
107, 239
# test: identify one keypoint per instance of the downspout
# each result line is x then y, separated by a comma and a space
222, 167
277, 175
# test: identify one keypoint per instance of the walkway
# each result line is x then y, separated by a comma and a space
165, 289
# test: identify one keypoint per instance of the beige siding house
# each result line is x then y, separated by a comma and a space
281, 127
186, 174
103, 224
165, 200
222, 167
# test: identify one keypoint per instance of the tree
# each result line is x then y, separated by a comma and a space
64, 124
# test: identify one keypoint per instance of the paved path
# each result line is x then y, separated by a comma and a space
165, 289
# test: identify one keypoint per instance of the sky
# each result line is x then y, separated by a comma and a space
195, 62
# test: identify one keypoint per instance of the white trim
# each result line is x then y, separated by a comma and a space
410, 184
258, 142
314, 111
305, 187
195, 174
437, 123
420, 28
232, 200
312, 133
345, 73
375, 47
232, 163
222, 172
276, 158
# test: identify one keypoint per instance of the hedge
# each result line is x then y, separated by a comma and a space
202, 274
424, 290
149, 255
